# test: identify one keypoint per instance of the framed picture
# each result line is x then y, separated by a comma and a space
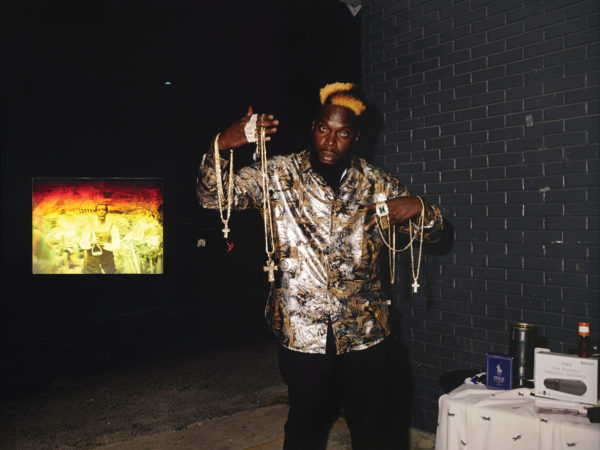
97, 226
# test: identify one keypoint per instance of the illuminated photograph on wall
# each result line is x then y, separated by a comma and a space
97, 226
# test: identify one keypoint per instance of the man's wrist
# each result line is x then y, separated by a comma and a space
419, 205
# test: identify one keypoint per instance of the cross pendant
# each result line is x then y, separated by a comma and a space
226, 231
270, 267
415, 286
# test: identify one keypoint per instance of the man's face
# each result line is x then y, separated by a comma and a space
101, 211
334, 133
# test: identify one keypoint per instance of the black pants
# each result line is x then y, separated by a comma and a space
319, 386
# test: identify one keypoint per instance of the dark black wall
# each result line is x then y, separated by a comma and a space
116, 89
491, 111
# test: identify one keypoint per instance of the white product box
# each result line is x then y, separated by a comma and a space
566, 377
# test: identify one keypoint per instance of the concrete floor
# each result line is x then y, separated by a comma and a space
261, 428
225, 399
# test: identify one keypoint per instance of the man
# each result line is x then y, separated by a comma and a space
100, 240
326, 304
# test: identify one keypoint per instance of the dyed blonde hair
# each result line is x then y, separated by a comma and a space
340, 94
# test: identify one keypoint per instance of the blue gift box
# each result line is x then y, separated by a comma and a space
499, 373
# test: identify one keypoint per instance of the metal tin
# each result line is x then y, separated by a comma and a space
522, 345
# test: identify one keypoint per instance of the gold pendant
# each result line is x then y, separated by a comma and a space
383, 212
271, 268
226, 231
384, 222
415, 286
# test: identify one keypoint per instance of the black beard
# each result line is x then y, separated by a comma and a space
332, 174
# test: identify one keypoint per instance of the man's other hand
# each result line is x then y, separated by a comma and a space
400, 210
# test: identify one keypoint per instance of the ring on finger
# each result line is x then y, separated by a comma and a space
250, 129
382, 212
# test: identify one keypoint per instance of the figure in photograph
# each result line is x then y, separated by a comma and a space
100, 239
331, 215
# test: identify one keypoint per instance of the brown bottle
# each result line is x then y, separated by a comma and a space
583, 340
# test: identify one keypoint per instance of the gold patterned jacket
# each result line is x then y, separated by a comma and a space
327, 264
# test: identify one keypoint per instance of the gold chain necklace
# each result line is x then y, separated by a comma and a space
220, 194
415, 275
392, 250
267, 215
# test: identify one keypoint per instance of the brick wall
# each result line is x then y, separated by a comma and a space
491, 110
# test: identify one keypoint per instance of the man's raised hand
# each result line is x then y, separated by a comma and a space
234, 136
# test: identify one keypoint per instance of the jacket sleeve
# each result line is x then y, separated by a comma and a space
247, 184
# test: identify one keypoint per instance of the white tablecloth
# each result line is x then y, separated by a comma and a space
473, 417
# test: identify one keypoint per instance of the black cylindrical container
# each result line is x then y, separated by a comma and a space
522, 344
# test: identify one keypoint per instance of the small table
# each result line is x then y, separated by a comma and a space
474, 417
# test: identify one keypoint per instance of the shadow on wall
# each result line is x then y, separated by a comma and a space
444, 244
404, 387
371, 127
403, 367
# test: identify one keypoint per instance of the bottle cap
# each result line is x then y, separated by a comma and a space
584, 328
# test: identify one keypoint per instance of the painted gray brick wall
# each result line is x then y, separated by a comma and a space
490, 109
